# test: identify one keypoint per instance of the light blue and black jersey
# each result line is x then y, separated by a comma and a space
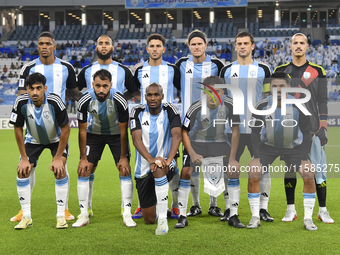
208, 126
121, 76
43, 123
191, 76
59, 76
104, 116
166, 74
156, 133
246, 77
281, 131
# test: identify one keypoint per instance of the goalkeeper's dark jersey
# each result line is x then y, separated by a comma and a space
312, 77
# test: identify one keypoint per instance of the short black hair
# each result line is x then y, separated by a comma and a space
281, 76
103, 75
155, 37
212, 80
154, 84
35, 78
244, 34
47, 34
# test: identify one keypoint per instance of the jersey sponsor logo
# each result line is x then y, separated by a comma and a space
146, 76
30, 116
46, 115
80, 116
186, 122
133, 124
14, 117
189, 71
234, 75
21, 83
146, 123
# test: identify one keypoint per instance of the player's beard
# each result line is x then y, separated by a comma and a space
101, 99
104, 56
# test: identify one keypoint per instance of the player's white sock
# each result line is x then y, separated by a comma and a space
183, 195
32, 178
24, 194
322, 209
254, 202
83, 191
91, 181
68, 184
195, 188
308, 203
213, 201
174, 188
226, 194
61, 191
161, 189
126, 188
234, 191
291, 207
265, 185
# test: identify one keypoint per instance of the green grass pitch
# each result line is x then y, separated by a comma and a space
107, 234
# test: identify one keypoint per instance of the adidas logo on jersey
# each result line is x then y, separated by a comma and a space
234, 75
94, 112
146, 76
189, 71
30, 116
146, 123
269, 117
205, 120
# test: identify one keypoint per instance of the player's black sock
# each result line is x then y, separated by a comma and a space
290, 184
321, 190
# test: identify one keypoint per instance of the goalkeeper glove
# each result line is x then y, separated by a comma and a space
322, 134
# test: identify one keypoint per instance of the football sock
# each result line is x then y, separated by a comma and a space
24, 194
183, 195
254, 202
265, 184
291, 207
174, 188
91, 181
234, 191
161, 189
61, 191
83, 191
195, 188
32, 178
126, 187
68, 184
213, 201
321, 190
226, 194
308, 203
290, 184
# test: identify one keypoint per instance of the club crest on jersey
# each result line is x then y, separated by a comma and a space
252, 73
212, 175
58, 73
110, 109
306, 75
160, 121
288, 116
206, 70
113, 73
46, 115
221, 115
162, 73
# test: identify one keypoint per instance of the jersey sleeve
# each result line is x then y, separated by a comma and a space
322, 98
24, 72
136, 82
122, 107
190, 116
17, 118
173, 115
218, 63
266, 81
177, 77
234, 119
60, 109
71, 81
81, 79
134, 120
83, 104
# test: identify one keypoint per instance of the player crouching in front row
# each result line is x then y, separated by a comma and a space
156, 134
291, 141
47, 127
